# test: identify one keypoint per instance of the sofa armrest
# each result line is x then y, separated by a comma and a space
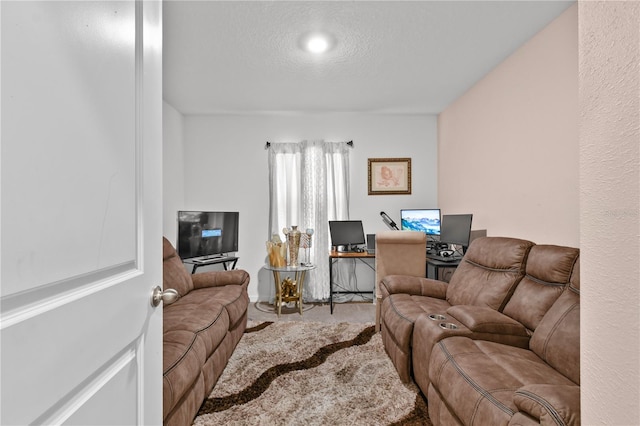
220, 278
417, 286
550, 404
481, 319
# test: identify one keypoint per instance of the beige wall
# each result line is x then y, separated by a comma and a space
508, 148
609, 211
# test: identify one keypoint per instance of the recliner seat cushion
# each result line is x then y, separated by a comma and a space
233, 298
205, 317
477, 379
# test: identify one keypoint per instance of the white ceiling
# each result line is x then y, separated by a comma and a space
390, 56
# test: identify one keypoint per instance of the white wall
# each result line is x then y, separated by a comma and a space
226, 169
609, 216
508, 148
173, 169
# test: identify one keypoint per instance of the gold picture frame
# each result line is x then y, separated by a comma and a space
389, 176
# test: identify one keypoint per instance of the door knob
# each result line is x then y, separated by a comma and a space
168, 296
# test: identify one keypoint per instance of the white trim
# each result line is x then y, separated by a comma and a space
83, 395
15, 316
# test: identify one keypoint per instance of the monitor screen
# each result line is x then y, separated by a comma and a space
346, 233
456, 229
425, 220
206, 234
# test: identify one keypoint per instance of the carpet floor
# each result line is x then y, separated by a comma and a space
311, 373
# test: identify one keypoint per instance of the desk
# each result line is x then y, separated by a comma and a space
334, 256
288, 290
439, 270
212, 261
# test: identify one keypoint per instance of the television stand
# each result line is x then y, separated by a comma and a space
212, 260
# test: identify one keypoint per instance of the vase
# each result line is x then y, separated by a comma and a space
307, 248
293, 240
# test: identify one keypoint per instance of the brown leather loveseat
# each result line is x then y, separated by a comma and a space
497, 345
200, 331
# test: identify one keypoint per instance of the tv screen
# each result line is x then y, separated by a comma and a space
347, 233
207, 234
456, 229
425, 220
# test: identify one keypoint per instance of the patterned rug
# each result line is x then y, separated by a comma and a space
292, 373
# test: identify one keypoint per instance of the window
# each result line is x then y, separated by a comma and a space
308, 186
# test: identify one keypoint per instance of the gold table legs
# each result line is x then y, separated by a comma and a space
288, 290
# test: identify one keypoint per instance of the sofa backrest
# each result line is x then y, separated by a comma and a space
557, 338
489, 272
174, 275
547, 273
400, 253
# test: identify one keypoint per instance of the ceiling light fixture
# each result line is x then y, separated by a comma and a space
317, 43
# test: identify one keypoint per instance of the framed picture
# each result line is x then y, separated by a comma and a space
389, 176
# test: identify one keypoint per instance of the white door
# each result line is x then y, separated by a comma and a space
80, 212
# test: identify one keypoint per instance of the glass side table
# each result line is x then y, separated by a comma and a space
287, 289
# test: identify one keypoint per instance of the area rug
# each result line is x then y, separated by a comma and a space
311, 373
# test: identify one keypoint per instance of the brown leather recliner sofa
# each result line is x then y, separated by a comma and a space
497, 345
200, 331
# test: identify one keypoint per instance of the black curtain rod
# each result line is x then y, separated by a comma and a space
268, 144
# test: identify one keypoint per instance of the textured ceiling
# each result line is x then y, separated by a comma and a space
389, 57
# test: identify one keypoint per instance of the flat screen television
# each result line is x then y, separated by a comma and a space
456, 229
425, 220
346, 234
207, 234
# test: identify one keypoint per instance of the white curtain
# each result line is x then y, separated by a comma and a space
308, 187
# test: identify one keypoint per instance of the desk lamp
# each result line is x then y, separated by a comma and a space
388, 221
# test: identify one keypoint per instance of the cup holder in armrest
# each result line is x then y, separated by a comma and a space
437, 317
448, 326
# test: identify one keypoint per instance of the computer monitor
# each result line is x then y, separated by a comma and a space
346, 234
456, 229
425, 220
